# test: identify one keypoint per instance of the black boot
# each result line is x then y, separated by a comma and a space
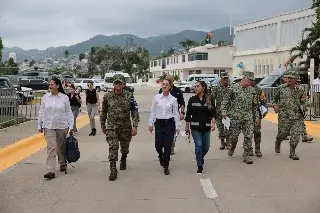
94, 131
123, 163
166, 171
49, 175
91, 133
200, 170
113, 171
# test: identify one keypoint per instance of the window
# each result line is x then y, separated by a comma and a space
198, 71
183, 58
177, 59
279, 65
268, 69
191, 57
216, 72
151, 63
264, 69
155, 63
174, 60
200, 56
255, 69
163, 63
167, 61
85, 81
191, 72
108, 79
159, 63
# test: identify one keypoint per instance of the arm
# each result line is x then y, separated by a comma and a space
98, 99
41, 112
276, 97
188, 115
69, 113
79, 98
225, 102
181, 101
134, 112
104, 112
153, 111
176, 114
213, 112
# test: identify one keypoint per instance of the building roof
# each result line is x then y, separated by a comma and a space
264, 19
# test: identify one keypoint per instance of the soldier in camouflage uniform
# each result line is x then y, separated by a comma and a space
257, 125
305, 137
289, 102
116, 108
242, 110
218, 92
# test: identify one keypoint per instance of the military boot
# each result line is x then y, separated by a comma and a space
94, 131
251, 152
257, 150
123, 163
246, 157
232, 148
223, 144
113, 171
277, 146
293, 155
307, 139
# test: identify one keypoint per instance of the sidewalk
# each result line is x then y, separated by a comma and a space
272, 184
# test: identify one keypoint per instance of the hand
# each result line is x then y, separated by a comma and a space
99, 109
177, 131
151, 129
181, 116
187, 131
70, 132
276, 108
134, 131
258, 120
104, 131
213, 126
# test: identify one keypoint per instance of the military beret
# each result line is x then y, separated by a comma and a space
119, 77
249, 75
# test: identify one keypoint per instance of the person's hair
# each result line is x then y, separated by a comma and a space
90, 82
206, 93
72, 86
57, 82
170, 82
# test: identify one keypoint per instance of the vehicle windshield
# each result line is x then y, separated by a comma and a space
268, 80
128, 80
77, 81
3, 83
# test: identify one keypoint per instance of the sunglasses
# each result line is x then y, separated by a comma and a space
117, 82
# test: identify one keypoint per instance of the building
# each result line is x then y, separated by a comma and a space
199, 60
13, 56
264, 45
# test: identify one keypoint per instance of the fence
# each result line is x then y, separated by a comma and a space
8, 105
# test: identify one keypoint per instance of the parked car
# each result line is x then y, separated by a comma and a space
34, 84
23, 93
98, 84
82, 83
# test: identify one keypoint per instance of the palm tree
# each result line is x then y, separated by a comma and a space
187, 44
66, 53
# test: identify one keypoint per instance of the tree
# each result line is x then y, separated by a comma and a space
32, 63
25, 60
82, 56
187, 44
11, 67
66, 53
309, 45
1, 48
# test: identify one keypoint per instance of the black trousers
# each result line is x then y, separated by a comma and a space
164, 134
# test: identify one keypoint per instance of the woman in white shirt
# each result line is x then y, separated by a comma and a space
55, 120
165, 117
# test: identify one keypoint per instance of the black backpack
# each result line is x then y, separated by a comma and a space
72, 150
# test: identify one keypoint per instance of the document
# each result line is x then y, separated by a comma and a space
226, 122
263, 110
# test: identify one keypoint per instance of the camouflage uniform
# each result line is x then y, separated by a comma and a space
218, 92
257, 125
305, 137
116, 109
291, 103
243, 108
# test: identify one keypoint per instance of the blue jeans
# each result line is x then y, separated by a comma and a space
202, 145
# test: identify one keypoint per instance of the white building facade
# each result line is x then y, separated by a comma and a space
264, 45
199, 60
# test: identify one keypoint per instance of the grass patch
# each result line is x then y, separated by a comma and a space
13, 122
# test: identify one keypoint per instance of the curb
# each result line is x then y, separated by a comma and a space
20, 150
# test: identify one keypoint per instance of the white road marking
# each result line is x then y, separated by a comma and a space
208, 188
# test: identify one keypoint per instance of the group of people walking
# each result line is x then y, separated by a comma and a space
241, 103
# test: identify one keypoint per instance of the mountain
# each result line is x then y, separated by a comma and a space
154, 44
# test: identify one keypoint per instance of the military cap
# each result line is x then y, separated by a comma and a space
292, 74
224, 75
249, 75
119, 77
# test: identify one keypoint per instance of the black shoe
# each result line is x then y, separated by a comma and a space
49, 175
123, 163
200, 169
91, 133
63, 168
161, 161
94, 131
113, 175
166, 171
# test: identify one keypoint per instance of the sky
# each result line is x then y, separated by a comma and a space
39, 24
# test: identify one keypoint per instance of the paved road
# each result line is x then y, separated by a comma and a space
273, 184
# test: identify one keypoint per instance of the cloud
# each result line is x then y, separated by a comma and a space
41, 24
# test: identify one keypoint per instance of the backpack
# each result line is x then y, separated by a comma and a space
72, 152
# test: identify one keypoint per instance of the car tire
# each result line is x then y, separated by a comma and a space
187, 90
80, 89
98, 89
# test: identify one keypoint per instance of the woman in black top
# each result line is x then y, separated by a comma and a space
200, 118
93, 106
75, 103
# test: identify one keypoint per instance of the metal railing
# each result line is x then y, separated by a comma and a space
9, 105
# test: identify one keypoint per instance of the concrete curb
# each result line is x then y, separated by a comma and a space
18, 151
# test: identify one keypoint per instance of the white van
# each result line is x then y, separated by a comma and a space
108, 80
194, 78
